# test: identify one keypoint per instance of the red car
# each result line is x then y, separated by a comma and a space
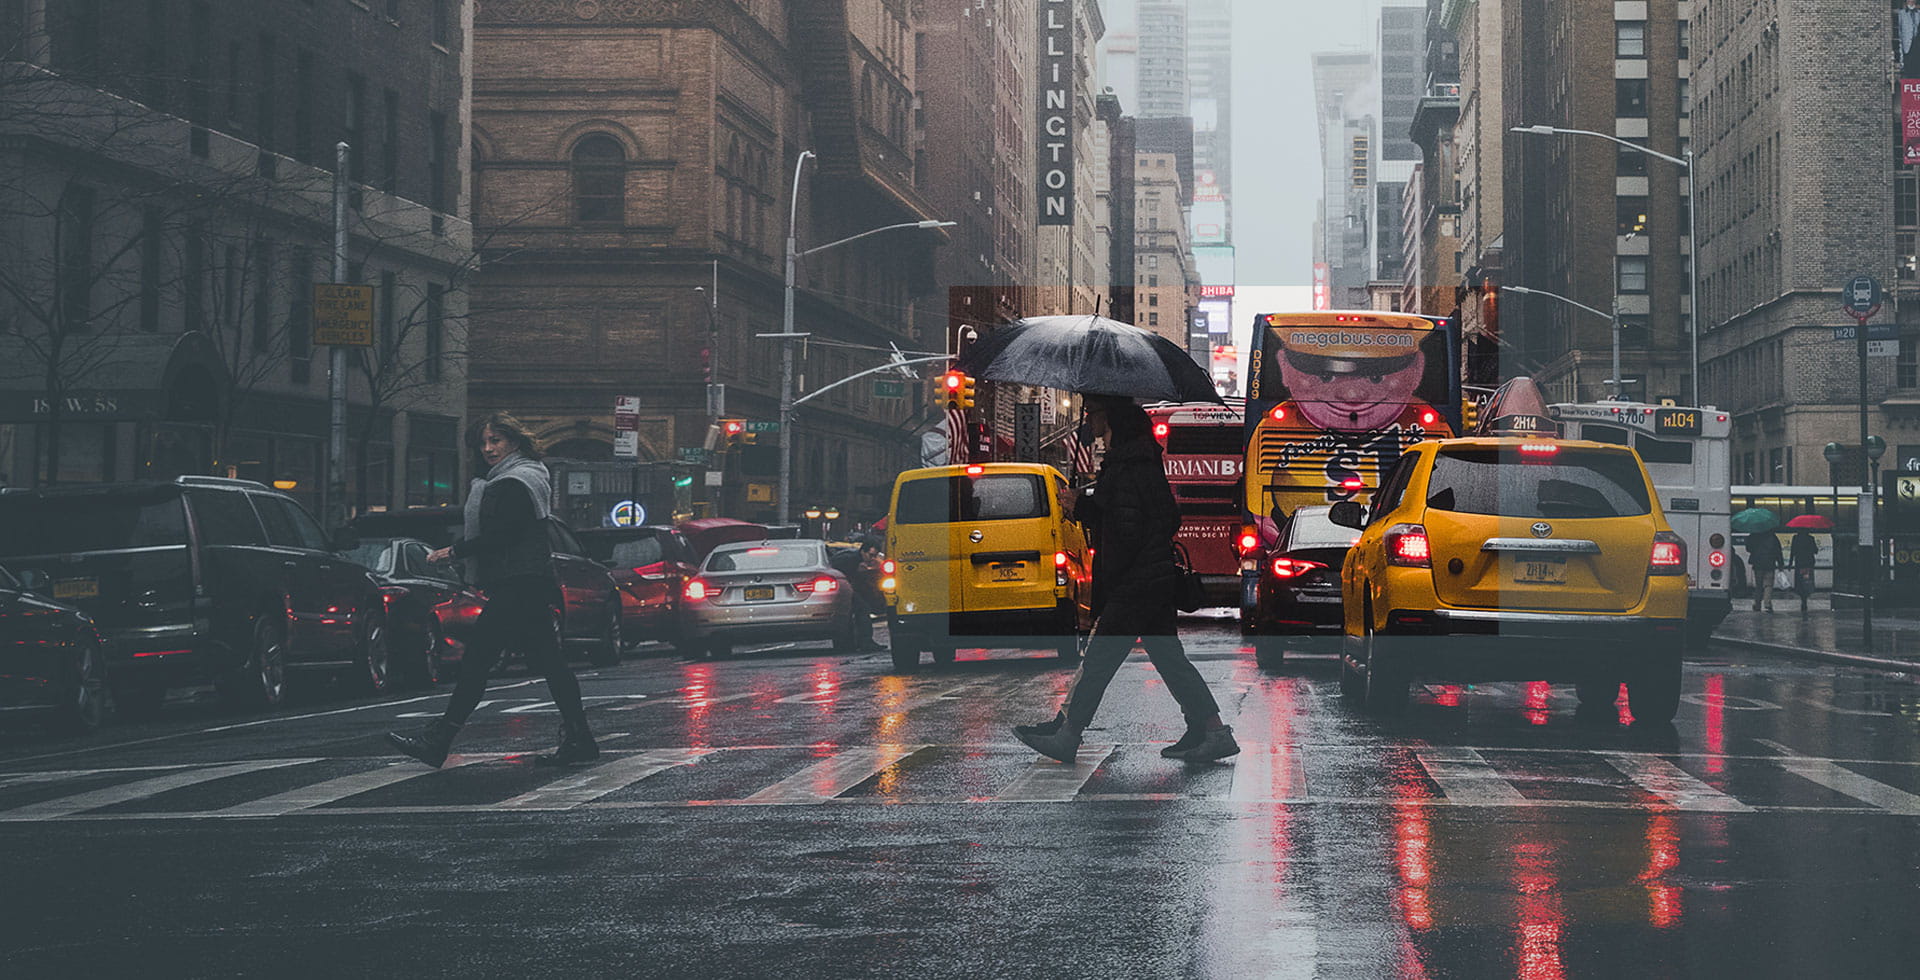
649, 564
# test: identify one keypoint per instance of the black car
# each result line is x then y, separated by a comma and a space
51, 662
650, 564
200, 579
430, 609
1299, 585
591, 620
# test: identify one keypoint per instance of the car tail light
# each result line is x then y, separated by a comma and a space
820, 586
1537, 450
390, 594
889, 584
696, 590
1669, 555
1294, 567
976, 470
1249, 540
1407, 546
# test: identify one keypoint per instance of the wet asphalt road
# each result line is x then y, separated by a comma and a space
799, 812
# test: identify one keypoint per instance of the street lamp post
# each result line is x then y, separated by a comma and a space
1693, 242
1613, 318
787, 335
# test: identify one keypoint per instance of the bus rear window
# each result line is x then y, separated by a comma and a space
1206, 440
994, 497
1574, 484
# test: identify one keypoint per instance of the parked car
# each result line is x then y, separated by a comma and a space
650, 565
52, 662
201, 579
759, 591
1298, 590
590, 621
430, 610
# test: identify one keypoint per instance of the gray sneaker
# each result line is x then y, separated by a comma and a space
1218, 744
1060, 746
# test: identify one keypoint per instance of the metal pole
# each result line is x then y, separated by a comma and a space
1869, 555
1693, 266
786, 350
334, 497
1619, 390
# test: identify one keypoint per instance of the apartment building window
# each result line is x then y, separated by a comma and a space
1630, 39
436, 313
1906, 367
1153, 319
1686, 97
1630, 98
1630, 215
599, 180
1633, 273
1153, 299
1686, 39
151, 230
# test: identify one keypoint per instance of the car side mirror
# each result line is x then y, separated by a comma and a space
1347, 513
344, 539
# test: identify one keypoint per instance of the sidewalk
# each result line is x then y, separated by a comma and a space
1824, 633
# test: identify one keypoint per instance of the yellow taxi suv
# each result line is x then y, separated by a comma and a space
983, 550
1515, 558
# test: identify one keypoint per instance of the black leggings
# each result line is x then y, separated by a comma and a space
518, 616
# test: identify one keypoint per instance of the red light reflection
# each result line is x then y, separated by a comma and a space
1664, 899
1537, 692
1716, 723
1541, 918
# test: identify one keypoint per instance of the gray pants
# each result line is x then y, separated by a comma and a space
1107, 651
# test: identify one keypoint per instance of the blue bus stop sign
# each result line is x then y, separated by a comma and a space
1861, 297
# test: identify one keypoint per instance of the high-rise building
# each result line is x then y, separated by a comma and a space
1433, 264
1163, 88
1343, 85
1210, 80
1400, 59
1476, 26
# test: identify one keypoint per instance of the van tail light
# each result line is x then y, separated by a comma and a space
1717, 559
1669, 555
1059, 559
820, 586
1408, 547
1294, 567
887, 567
1249, 539
696, 590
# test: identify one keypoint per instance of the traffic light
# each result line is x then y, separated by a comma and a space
1469, 414
966, 391
735, 431
950, 386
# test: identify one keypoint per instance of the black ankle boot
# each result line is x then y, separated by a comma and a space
430, 744
576, 746
1046, 728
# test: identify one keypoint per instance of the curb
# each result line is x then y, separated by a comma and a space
1828, 656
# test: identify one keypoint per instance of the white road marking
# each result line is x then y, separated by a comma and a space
330, 790
1268, 773
139, 789
1467, 779
687, 702
565, 794
547, 707
831, 777
1673, 784
1849, 783
1047, 781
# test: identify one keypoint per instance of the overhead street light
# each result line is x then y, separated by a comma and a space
787, 335
1693, 242
1613, 317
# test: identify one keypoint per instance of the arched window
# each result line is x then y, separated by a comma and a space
599, 181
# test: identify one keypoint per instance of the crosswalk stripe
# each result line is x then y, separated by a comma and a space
1849, 783
330, 790
138, 789
1466, 778
827, 779
1047, 781
1673, 784
565, 794
1266, 773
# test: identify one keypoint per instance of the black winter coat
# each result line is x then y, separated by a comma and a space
1131, 516
512, 543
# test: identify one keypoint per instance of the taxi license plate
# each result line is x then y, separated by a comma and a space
1540, 572
1010, 573
76, 588
759, 593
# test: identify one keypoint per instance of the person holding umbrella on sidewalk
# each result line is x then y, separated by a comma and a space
1801, 552
1763, 556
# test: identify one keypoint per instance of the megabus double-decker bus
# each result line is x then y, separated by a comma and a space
1334, 397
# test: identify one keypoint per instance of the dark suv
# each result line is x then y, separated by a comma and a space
200, 579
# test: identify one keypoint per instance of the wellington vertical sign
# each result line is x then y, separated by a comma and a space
1055, 141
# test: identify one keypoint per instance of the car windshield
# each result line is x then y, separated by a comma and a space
89, 522
1551, 482
372, 553
1312, 529
765, 558
635, 553
991, 497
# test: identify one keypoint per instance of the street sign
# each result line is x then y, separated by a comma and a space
626, 445
1875, 331
763, 427
1026, 432
883, 388
626, 427
1883, 348
1861, 297
342, 315
693, 454
579, 484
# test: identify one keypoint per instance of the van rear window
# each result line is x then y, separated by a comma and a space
89, 522
990, 497
1570, 483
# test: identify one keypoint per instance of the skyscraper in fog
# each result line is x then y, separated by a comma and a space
1163, 59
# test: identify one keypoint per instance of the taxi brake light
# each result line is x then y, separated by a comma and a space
976, 470
1407, 546
1669, 556
1059, 559
887, 567
1538, 448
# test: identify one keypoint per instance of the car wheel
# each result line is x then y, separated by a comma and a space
606, 651
1386, 691
261, 681
84, 706
1653, 692
370, 676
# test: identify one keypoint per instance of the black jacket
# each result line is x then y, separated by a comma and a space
1763, 551
1132, 516
512, 543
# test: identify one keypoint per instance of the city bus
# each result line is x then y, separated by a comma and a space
1688, 456
1204, 458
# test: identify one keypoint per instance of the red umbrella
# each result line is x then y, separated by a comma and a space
1811, 522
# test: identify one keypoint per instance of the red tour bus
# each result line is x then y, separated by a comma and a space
1205, 454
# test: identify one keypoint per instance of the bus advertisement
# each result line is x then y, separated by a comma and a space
1688, 456
1204, 456
1334, 398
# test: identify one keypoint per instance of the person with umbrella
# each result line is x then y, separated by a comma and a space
1763, 556
1802, 551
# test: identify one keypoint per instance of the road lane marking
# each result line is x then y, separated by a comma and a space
827, 779
330, 790
1268, 773
565, 794
138, 789
1849, 783
687, 702
548, 707
1047, 781
1673, 784
1466, 778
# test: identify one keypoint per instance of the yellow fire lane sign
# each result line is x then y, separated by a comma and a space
342, 315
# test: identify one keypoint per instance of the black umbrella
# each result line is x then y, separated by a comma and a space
1091, 355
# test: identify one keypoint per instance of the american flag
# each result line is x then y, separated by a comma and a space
957, 436
1081, 453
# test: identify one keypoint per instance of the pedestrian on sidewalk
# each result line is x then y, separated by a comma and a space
1802, 551
1763, 556
1131, 517
505, 540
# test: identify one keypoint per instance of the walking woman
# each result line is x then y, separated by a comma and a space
1131, 515
505, 539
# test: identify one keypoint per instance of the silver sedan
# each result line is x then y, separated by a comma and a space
765, 591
